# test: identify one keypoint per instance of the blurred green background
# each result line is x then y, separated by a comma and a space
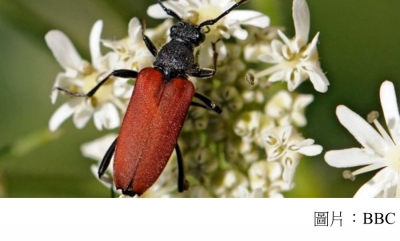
359, 47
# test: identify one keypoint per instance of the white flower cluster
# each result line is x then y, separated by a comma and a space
108, 105
253, 148
295, 60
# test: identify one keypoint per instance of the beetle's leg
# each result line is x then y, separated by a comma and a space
183, 184
107, 159
209, 104
104, 165
215, 54
199, 105
122, 73
150, 46
205, 72
205, 107
202, 73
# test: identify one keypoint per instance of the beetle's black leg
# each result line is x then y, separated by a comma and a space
169, 11
205, 72
183, 184
202, 72
150, 46
107, 159
199, 105
122, 73
208, 103
205, 107
105, 163
215, 55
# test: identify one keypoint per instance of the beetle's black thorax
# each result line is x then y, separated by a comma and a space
175, 59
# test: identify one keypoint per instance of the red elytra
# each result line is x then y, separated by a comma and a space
150, 129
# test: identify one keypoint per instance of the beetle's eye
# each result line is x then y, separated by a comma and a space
201, 38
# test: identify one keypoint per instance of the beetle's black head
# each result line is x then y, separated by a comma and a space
187, 33
176, 58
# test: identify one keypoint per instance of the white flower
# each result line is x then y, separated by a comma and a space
285, 140
379, 149
293, 59
233, 184
259, 42
286, 146
250, 126
80, 77
288, 109
132, 51
198, 11
267, 177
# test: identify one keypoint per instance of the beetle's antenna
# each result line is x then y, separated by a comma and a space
212, 21
169, 11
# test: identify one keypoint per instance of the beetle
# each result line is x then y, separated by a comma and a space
158, 107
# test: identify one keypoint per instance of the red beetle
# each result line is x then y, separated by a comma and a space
158, 107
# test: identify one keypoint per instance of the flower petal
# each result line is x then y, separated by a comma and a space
279, 104
97, 148
107, 116
350, 158
134, 31
248, 17
278, 75
82, 115
301, 17
63, 113
106, 180
239, 32
374, 186
365, 134
63, 80
206, 53
286, 40
294, 78
312, 150
155, 10
122, 89
311, 51
94, 42
390, 109
299, 105
302, 101
63, 50
317, 77
290, 163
